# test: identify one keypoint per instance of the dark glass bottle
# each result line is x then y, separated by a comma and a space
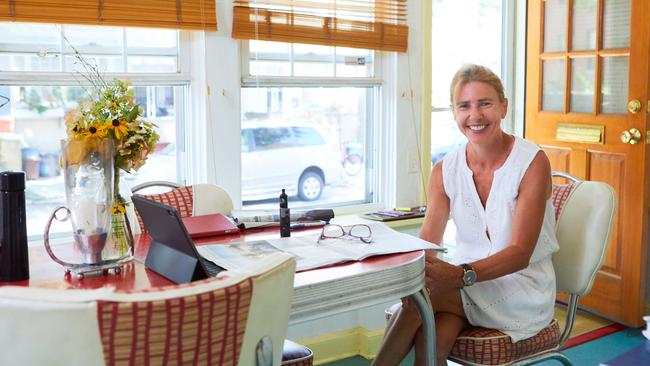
14, 262
285, 218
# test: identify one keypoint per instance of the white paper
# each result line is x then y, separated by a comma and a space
309, 253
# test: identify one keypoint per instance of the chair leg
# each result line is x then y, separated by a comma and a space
562, 358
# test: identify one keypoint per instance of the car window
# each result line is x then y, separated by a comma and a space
245, 140
272, 138
306, 136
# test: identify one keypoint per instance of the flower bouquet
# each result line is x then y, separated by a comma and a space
110, 113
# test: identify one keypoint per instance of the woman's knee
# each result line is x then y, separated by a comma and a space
448, 301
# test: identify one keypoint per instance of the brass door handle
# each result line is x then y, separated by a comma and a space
634, 106
631, 137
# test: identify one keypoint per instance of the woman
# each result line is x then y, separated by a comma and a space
497, 189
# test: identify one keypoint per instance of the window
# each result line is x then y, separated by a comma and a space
305, 110
306, 136
272, 138
40, 75
478, 41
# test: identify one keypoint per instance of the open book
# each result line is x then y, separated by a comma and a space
309, 253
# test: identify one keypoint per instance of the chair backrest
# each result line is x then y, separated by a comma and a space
213, 321
585, 214
194, 200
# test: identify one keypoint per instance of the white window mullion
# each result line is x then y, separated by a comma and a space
61, 29
125, 61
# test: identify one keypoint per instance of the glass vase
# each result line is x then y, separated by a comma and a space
121, 233
91, 195
88, 177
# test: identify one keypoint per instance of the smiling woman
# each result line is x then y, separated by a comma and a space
501, 275
478, 103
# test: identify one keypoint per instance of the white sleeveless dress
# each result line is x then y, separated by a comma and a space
519, 304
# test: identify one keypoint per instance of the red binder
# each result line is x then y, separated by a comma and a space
209, 225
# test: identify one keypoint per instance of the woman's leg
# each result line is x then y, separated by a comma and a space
399, 335
403, 330
450, 321
448, 326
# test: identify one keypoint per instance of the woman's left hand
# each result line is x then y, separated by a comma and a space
441, 276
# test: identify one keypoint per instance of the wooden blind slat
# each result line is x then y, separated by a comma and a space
378, 25
175, 14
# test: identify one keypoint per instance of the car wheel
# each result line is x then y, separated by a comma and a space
310, 186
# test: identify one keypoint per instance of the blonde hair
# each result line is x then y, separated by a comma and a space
472, 72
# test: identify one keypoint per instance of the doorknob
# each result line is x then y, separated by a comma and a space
634, 106
631, 137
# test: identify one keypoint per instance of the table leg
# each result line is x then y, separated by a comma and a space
421, 299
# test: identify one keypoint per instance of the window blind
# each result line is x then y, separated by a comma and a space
176, 14
370, 24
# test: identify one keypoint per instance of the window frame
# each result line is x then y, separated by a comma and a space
373, 84
505, 53
187, 167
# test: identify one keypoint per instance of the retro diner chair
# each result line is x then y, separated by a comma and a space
204, 199
584, 213
217, 321
194, 200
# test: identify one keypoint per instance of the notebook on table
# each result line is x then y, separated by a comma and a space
209, 225
172, 252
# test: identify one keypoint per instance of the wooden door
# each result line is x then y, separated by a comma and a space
586, 59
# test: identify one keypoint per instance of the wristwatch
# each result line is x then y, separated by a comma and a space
469, 275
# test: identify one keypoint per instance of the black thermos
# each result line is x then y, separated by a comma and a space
14, 263
285, 218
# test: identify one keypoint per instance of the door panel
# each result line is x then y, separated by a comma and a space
585, 60
559, 159
606, 167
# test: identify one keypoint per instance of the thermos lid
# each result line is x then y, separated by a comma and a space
12, 181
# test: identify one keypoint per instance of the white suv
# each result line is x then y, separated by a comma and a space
290, 156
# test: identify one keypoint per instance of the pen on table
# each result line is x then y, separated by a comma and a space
403, 209
306, 224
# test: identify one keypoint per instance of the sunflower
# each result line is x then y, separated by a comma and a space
119, 127
118, 208
95, 132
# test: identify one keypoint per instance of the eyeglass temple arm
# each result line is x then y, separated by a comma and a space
7, 100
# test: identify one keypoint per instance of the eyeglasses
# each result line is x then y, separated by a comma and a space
358, 231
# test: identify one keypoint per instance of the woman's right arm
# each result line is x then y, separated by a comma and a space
437, 214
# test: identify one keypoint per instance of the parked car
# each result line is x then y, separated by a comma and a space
291, 156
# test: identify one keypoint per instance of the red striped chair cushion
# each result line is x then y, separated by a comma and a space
484, 346
561, 193
202, 329
182, 199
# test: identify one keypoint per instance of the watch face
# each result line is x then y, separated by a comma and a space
469, 277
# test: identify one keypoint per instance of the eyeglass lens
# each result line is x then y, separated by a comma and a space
337, 231
333, 231
360, 231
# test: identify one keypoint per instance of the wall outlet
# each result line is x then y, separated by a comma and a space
414, 163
